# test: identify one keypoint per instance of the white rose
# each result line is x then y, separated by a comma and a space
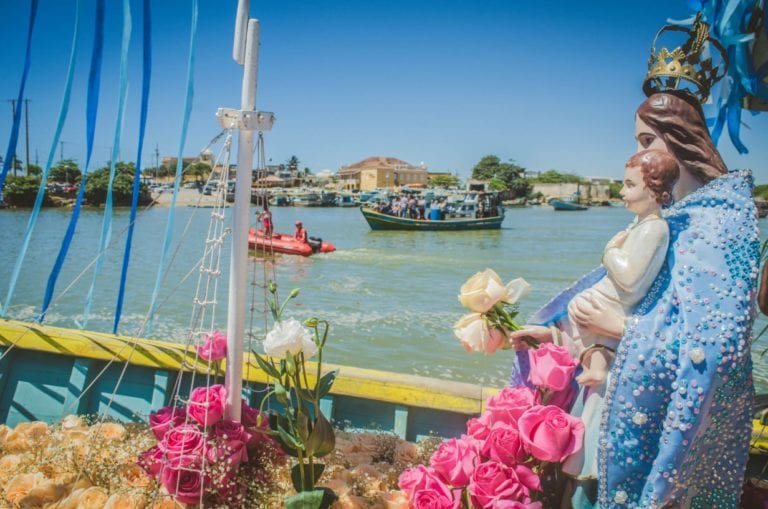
697, 355
516, 290
289, 336
475, 335
482, 291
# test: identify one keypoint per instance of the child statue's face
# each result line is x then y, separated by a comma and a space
637, 198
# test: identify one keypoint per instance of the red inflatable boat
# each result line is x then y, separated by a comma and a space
282, 243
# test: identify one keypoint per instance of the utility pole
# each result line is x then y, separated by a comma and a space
26, 128
13, 117
61, 153
157, 159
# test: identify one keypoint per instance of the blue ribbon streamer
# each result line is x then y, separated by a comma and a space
179, 166
106, 224
11, 151
94, 80
63, 111
147, 74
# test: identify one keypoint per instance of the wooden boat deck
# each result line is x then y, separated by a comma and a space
47, 372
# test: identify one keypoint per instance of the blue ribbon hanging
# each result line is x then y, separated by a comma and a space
11, 151
63, 111
179, 167
106, 224
146, 78
94, 80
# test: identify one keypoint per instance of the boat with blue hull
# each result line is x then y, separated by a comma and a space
379, 221
566, 205
48, 372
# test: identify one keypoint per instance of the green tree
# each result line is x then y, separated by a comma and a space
293, 165
122, 188
556, 177
34, 170
66, 170
496, 184
615, 187
490, 167
444, 181
198, 169
22, 191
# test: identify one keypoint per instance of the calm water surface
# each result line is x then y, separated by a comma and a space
390, 296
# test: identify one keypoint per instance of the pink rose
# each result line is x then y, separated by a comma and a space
504, 445
455, 460
550, 434
230, 430
563, 399
184, 440
416, 478
183, 480
552, 367
493, 482
229, 452
436, 495
151, 461
510, 403
479, 427
206, 404
165, 418
514, 504
214, 348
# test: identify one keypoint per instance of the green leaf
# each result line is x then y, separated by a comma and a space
290, 364
296, 475
289, 440
281, 394
266, 366
322, 439
277, 421
318, 499
326, 382
302, 422
307, 395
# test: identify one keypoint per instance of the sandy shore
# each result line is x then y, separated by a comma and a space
185, 198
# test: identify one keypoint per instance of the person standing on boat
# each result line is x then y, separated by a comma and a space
301, 234
266, 220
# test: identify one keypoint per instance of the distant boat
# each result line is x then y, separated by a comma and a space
379, 221
310, 199
566, 205
345, 200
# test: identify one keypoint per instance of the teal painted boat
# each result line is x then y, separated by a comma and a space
566, 205
379, 221
49, 372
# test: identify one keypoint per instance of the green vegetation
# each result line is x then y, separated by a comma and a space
761, 191
613, 190
445, 181
555, 177
22, 191
122, 189
67, 171
502, 176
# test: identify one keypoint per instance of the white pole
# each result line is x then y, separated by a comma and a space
239, 258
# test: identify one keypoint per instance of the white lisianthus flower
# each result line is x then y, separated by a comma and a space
482, 291
289, 336
475, 336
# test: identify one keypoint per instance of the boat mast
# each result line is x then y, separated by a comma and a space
245, 52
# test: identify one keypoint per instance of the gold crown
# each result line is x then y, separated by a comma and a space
685, 68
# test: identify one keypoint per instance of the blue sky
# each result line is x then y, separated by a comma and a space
550, 85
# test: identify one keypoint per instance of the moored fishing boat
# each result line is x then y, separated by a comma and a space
287, 244
379, 221
566, 205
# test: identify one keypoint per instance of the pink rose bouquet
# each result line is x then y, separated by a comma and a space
214, 347
517, 442
199, 452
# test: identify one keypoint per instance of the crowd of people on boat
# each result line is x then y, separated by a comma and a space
438, 208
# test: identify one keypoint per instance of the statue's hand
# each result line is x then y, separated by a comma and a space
592, 315
617, 240
538, 333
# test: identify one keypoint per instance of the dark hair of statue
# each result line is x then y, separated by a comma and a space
660, 172
677, 117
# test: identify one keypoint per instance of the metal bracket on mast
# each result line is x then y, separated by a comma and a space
248, 120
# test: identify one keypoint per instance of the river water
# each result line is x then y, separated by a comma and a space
390, 296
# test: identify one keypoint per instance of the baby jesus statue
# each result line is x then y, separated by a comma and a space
632, 258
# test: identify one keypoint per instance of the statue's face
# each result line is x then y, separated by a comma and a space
647, 137
637, 198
